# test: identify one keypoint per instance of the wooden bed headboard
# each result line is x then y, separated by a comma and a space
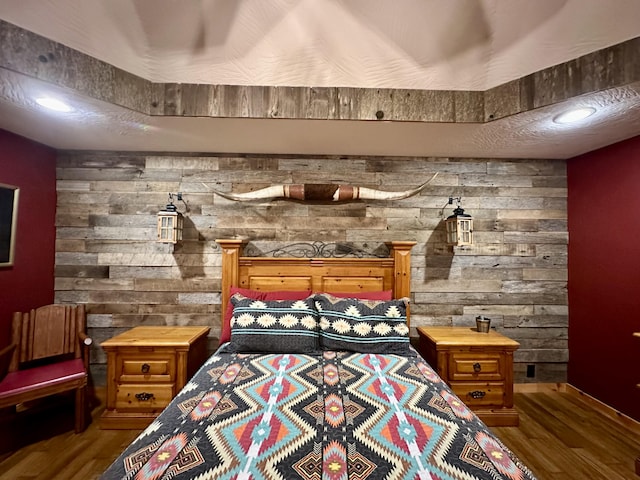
345, 274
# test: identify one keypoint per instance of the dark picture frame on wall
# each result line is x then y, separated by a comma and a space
8, 223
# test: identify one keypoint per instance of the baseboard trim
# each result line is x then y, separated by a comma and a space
605, 409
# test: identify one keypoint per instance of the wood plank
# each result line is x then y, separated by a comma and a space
517, 249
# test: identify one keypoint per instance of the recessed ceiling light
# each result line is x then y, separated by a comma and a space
574, 115
54, 104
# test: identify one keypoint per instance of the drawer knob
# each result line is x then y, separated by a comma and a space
477, 394
477, 367
144, 396
145, 368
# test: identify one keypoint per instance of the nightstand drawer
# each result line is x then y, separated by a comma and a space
154, 369
475, 366
480, 394
143, 398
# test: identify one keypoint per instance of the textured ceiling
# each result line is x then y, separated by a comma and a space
462, 45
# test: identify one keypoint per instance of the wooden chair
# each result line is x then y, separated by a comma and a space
49, 355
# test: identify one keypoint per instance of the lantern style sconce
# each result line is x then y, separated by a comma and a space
170, 222
459, 226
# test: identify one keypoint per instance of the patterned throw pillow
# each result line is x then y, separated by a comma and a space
365, 326
225, 333
274, 326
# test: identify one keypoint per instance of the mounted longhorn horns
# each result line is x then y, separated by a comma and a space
322, 192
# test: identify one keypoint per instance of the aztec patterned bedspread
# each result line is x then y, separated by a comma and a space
331, 415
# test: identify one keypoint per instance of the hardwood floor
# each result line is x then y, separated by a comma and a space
565, 435
562, 435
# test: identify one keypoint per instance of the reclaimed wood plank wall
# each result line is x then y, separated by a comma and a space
515, 273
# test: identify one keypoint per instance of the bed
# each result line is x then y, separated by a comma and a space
315, 378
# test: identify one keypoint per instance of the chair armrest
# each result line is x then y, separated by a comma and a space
85, 339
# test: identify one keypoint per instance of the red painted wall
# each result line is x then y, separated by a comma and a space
29, 282
604, 274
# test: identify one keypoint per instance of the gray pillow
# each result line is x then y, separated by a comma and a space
274, 326
365, 326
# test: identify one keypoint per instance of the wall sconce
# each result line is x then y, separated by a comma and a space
170, 222
459, 225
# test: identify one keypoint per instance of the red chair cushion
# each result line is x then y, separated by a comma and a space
35, 378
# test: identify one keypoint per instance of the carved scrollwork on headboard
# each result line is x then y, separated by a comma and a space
318, 250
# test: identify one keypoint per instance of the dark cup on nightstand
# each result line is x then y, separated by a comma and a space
483, 324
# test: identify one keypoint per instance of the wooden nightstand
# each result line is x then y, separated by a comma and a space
146, 368
477, 366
